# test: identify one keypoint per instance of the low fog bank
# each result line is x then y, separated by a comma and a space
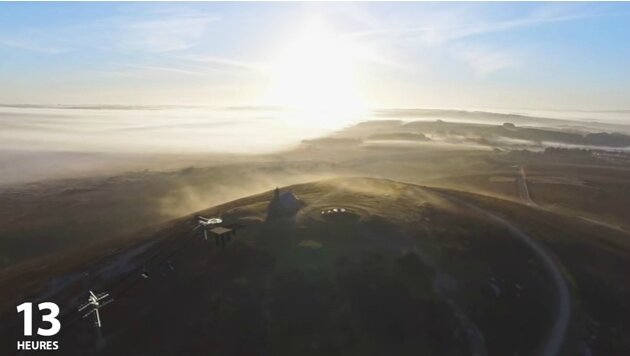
28, 166
58, 142
38, 142
156, 131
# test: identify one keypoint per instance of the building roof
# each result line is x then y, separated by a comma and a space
220, 230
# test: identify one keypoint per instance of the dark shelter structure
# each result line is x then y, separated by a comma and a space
283, 205
221, 235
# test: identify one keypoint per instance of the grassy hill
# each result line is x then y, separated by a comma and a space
403, 270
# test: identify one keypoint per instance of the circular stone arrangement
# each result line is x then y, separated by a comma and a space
333, 211
339, 214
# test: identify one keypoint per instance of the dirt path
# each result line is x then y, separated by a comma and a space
562, 303
523, 190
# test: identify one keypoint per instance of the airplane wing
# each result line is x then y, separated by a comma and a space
196, 227
84, 306
203, 218
101, 296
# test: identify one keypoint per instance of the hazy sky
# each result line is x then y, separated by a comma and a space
346, 55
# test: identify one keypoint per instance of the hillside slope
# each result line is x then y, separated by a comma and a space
401, 270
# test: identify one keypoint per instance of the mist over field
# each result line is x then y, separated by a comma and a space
148, 130
43, 142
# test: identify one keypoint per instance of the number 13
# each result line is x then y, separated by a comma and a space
51, 318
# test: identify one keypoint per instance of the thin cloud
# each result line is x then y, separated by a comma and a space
222, 63
118, 73
440, 30
164, 69
31, 46
141, 70
152, 32
163, 34
484, 61
439, 34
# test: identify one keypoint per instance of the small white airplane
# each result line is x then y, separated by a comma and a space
95, 301
205, 222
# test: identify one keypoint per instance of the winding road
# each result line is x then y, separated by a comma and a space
562, 301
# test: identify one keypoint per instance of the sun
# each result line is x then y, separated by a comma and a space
315, 75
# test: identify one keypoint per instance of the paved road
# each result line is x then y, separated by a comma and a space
552, 345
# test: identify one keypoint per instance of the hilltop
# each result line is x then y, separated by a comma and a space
402, 269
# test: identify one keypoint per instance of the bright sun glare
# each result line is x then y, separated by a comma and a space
315, 74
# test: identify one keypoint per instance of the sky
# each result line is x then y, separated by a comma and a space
342, 57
